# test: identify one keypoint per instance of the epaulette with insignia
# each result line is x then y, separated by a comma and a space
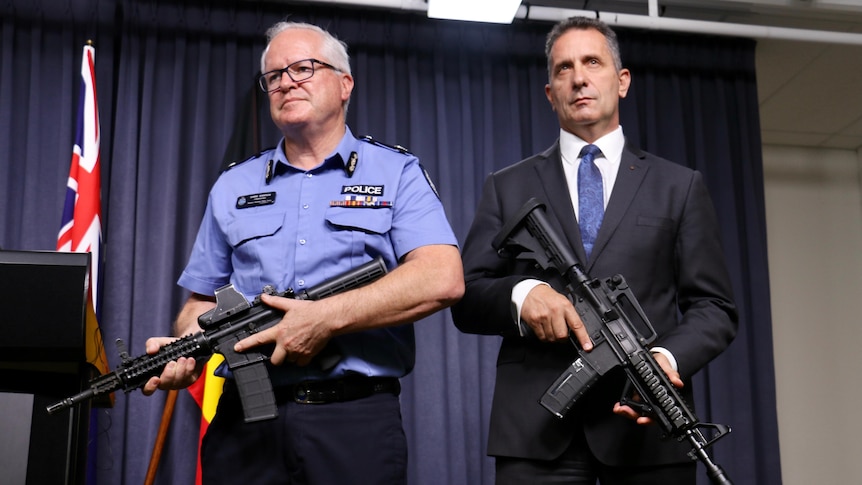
397, 148
227, 166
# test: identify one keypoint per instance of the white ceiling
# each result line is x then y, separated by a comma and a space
810, 91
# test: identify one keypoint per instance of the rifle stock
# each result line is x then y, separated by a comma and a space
606, 308
232, 320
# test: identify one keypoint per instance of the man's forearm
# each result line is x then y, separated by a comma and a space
187, 320
430, 279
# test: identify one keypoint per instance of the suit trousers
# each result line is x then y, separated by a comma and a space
578, 466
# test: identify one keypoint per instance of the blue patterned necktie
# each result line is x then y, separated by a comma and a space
591, 201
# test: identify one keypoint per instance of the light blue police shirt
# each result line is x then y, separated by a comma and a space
269, 223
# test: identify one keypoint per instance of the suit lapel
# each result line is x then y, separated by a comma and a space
629, 177
549, 169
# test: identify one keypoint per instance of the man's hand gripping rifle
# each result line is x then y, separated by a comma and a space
602, 306
232, 320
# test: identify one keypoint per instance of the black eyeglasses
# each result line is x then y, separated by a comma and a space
298, 71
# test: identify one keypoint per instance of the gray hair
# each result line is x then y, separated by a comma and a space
583, 23
334, 50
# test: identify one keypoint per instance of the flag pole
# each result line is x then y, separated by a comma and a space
81, 223
159, 445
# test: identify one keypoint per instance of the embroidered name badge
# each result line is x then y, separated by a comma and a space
255, 200
360, 201
362, 189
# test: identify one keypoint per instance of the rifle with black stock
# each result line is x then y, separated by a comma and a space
232, 320
606, 308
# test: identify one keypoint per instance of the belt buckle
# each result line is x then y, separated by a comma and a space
302, 395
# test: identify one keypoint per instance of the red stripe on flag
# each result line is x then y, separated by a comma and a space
206, 392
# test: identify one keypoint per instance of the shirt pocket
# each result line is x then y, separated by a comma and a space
248, 229
259, 254
361, 231
367, 220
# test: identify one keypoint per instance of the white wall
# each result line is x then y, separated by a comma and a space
814, 226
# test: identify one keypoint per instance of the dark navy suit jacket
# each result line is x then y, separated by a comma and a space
661, 233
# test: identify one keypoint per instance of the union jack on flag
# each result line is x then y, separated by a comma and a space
81, 229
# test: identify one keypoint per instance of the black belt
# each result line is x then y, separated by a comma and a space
337, 390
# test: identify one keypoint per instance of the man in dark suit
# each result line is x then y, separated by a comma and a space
659, 230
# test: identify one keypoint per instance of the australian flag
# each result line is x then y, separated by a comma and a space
81, 229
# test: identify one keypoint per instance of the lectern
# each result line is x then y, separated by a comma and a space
43, 311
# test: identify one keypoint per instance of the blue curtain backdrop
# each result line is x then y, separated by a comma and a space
175, 89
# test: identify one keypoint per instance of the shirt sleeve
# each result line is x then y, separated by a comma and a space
419, 218
519, 294
209, 265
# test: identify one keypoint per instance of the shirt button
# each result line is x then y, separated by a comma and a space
302, 241
308, 175
305, 206
301, 282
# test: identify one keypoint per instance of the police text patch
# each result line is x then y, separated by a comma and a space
362, 189
255, 200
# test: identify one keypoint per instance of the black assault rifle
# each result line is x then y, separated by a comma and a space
602, 306
232, 320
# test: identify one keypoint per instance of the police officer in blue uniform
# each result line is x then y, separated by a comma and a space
318, 204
